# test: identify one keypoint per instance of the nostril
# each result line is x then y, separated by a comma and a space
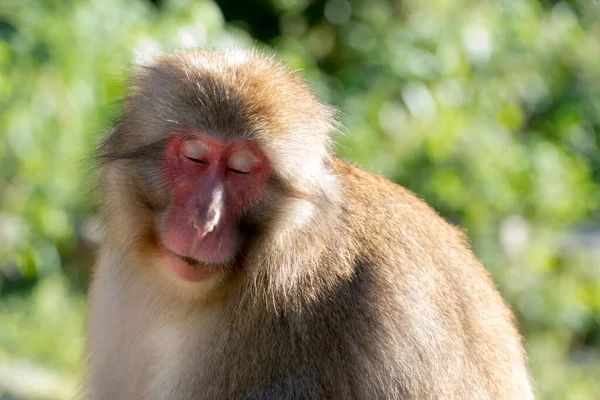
196, 224
208, 223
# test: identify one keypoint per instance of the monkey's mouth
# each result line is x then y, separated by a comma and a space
192, 262
188, 268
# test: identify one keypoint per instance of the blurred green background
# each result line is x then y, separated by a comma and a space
489, 110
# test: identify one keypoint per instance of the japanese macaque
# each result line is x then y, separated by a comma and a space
241, 259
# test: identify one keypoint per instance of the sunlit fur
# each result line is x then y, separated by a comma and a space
346, 285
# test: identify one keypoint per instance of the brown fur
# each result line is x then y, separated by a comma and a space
347, 285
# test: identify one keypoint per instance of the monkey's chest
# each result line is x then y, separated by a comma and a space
273, 364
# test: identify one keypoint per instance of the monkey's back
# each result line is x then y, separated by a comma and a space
448, 333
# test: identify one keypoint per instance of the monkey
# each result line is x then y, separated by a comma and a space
242, 259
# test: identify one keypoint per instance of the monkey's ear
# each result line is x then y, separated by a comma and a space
146, 52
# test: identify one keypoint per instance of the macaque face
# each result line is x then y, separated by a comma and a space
212, 180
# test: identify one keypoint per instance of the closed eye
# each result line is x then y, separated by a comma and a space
196, 160
237, 171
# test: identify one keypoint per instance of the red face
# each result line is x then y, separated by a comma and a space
212, 180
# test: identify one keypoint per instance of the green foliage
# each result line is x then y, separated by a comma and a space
488, 110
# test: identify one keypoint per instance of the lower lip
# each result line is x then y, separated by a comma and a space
185, 271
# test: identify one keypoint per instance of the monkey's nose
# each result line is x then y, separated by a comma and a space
205, 223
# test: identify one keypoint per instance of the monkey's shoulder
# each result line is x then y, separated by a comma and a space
365, 185
380, 197
401, 222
